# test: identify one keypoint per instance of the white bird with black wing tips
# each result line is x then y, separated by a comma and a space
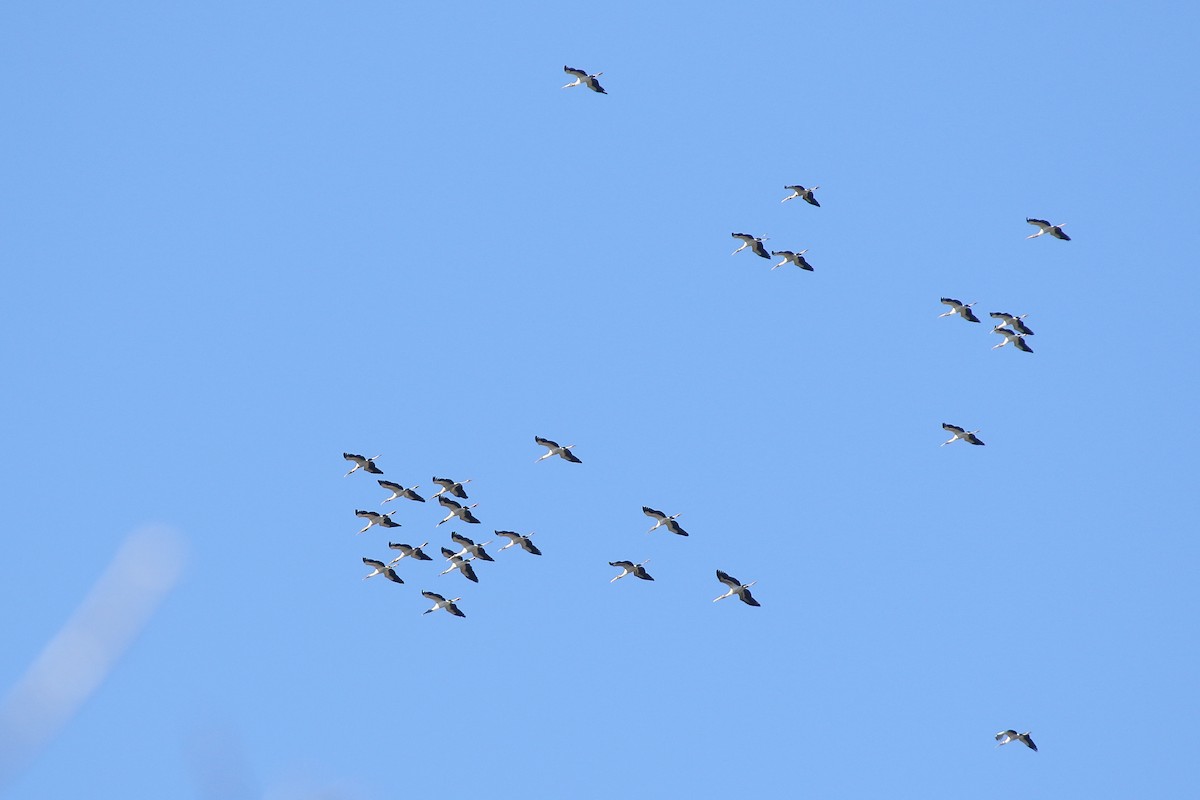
441, 602
363, 463
1004, 737
1011, 337
1045, 227
555, 449
1012, 321
742, 590
663, 519
581, 77
630, 568
960, 308
375, 518
515, 538
407, 551
804, 194
960, 433
794, 258
470, 548
399, 491
755, 243
452, 486
463, 565
457, 510
381, 568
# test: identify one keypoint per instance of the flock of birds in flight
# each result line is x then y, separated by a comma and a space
469, 551
1012, 327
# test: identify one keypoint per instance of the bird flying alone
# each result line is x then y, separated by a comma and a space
362, 462
381, 569
663, 519
630, 568
960, 308
959, 433
742, 590
1004, 737
441, 602
755, 243
804, 194
399, 491
1054, 230
581, 76
795, 258
555, 449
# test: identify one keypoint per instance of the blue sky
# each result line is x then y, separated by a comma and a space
242, 238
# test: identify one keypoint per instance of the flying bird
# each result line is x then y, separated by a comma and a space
959, 433
515, 539
1004, 737
629, 568
441, 602
555, 449
381, 569
663, 519
1012, 321
457, 510
415, 553
469, 546
399, 491
582, 77
1011, 337
755, 243
795, 258
742, 590
453, 487
805, 194
1054, 230
960, 308
362, 462
460, 564
375, 518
